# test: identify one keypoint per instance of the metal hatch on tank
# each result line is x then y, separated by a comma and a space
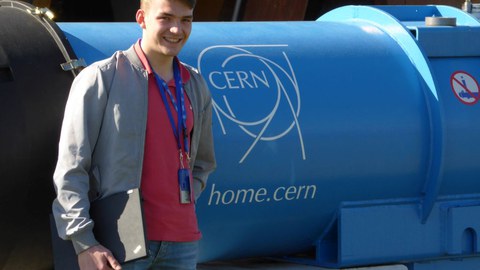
349, 140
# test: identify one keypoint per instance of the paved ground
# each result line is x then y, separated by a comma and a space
269, 264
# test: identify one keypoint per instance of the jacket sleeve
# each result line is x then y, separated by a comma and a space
204, 161
80, 128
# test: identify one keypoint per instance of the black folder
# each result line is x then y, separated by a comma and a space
118, 226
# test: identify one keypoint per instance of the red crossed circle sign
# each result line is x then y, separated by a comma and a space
465, 87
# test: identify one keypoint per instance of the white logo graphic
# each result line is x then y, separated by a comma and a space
259, 95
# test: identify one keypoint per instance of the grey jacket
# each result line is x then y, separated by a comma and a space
102, 140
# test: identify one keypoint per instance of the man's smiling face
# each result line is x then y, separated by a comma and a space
166, 25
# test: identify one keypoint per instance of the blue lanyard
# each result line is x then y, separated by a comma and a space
179, 104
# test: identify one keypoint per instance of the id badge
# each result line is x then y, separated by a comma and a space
184, 184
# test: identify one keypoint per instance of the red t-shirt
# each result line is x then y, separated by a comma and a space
165, 217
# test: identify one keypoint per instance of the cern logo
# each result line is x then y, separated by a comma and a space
258, 94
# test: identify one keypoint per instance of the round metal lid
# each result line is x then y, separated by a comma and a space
440, 21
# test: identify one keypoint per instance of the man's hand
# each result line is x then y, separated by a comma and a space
97, 258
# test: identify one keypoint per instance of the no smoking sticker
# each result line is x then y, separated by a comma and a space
465, 87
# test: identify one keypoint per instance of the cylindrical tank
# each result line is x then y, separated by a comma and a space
33, 91
365, 104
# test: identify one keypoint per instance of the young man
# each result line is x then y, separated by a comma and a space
139, 119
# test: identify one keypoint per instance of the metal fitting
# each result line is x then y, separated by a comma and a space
467, 6
44, 12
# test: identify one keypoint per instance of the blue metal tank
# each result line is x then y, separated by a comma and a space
347, 141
